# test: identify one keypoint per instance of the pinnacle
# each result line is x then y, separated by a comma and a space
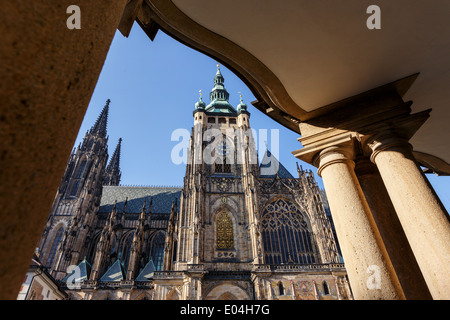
114, 164
100, 125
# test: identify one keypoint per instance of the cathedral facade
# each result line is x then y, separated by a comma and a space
237, 229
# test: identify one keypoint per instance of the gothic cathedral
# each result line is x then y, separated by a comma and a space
237, 229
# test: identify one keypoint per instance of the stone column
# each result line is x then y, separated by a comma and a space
394, 239
47, 76
421, 214
369, 270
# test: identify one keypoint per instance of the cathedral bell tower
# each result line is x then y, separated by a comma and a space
215, 227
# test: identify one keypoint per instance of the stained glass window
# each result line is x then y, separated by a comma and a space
285, 233
55, 244
126, 250
158, 250
74, 190
224, 226
80, 169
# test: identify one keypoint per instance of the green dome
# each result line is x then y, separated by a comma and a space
200, 104
241, 106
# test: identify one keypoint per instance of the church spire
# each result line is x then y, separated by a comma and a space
218, 79
219, 93
219, 98
113, 173
100, 125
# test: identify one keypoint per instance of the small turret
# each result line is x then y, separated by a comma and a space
242, 107
243, 114
200, 105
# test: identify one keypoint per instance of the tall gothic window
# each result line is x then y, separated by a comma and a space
126, 249
224, 231
81, 169
158, 250
55, 244
77, 177
93, 247
285, 233
74, 190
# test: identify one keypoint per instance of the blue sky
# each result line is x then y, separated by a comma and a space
153, 87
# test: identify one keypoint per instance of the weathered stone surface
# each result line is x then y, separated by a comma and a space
48, 74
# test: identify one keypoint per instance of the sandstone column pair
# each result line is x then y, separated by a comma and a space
392, 229
368, 266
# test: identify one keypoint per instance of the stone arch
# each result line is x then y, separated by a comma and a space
143, 295
64, 222
227, 296
103, 295
227, 291
231, 204
227, 208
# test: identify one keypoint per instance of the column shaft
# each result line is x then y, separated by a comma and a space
370, 274
423, 218
388, 224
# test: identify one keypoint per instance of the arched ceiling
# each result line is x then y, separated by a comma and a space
300, 56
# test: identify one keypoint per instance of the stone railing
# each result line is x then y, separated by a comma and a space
168, 274
298, 267
195, 267
93, 284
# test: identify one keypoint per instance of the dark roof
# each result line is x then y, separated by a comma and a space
147, 272
161, 198
83, 270
115, 273
270, 166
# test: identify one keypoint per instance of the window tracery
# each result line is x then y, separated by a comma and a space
285, 234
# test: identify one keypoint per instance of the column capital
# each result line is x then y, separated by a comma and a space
388, 140
335, 154
311, 153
